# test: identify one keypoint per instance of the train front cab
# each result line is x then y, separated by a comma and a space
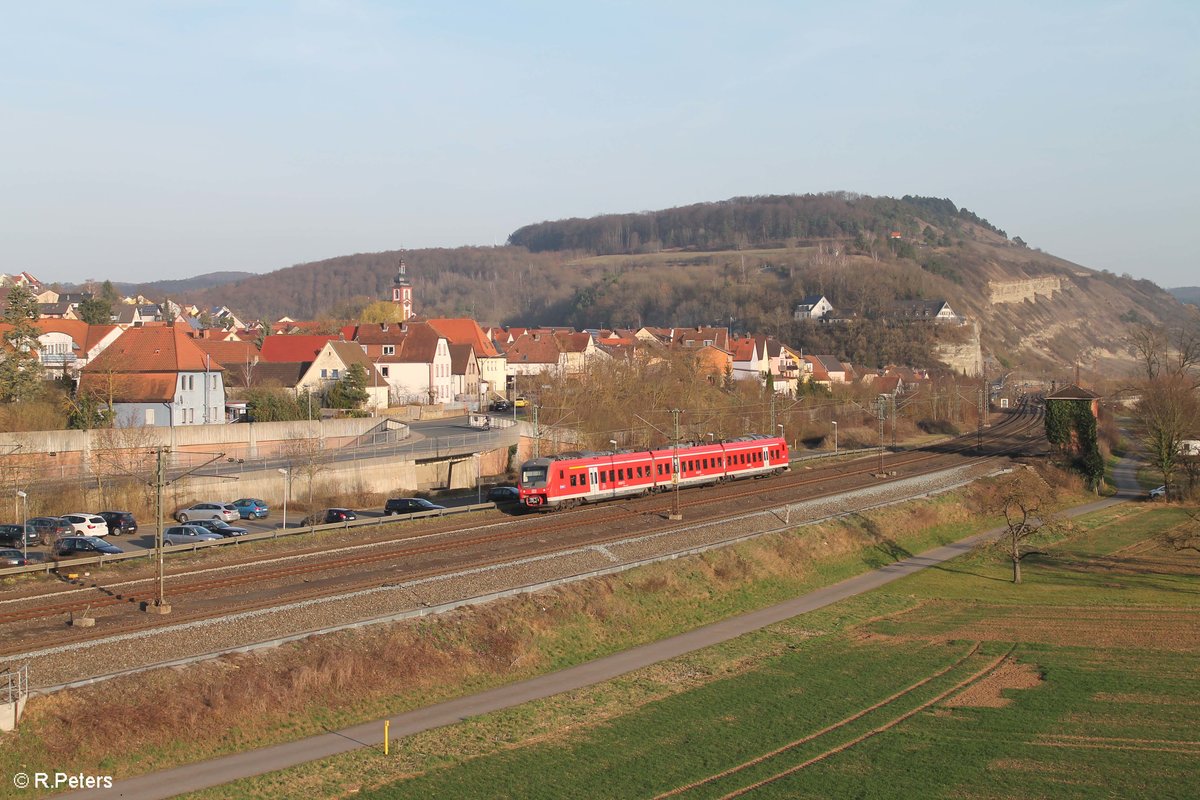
532, 482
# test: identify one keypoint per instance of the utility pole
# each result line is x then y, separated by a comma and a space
982, 408
983, 404
160, 482
675, 514
893, 396
882, 415
537, 435
772, 411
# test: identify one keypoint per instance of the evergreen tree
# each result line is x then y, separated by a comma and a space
351, 391
96, 311
20, 367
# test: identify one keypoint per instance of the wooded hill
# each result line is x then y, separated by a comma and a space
746, 262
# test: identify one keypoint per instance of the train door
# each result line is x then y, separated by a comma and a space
594, 480
766, 456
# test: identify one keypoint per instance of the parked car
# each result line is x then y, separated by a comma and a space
10, 557
220, 526
339, 515
222, 511
189, 534
1159, 493
250, 508
50, 528
409, 505
119, 522
84, 546
10, 535
501, 405
86, 524
521, 402
503, 494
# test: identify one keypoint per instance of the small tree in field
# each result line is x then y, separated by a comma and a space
1021, 498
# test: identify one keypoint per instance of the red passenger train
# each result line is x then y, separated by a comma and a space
569, 479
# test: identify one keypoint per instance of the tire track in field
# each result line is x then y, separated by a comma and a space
986, 670
826, 730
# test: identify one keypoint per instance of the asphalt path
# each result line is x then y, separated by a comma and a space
218, 771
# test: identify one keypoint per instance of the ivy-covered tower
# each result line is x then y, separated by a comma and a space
1071, 414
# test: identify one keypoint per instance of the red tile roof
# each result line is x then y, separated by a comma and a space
466, 331
231, 354
298, 347
144, 387
158, 349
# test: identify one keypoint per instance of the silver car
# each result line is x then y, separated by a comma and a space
222, 511
189, 534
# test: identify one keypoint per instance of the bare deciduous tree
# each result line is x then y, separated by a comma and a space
1169, 411
1022, 497
305, 455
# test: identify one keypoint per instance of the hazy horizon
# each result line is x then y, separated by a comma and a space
153, 142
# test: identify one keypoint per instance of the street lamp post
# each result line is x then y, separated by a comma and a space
478, 469
24, 526
835, 437
781, 433
284, 473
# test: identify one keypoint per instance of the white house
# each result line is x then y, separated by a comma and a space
814, 306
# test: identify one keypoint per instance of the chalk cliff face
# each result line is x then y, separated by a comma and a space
965, 358
1022, 290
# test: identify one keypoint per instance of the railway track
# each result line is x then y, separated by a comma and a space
486, 545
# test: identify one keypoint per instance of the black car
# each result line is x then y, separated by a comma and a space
220, 526
10, 535
119, 522
11, 557
501, 405
409, 505
339, 515
503, 494
50, 528
84, 546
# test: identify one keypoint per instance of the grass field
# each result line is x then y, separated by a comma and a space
1082, 682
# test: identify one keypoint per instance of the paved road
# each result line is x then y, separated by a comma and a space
215, 772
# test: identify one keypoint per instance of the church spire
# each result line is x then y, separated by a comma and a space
402, 291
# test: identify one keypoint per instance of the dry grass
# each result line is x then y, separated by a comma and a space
339, 679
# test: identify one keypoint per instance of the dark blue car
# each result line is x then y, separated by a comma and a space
249, 508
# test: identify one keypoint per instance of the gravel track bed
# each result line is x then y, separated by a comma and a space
76, 662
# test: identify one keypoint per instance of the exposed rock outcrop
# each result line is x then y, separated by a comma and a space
1020, 291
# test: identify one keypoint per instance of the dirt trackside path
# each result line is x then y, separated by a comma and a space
207, 774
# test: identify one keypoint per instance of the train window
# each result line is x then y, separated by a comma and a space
582, 479
705, 462
574, 482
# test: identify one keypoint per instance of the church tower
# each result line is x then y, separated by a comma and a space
402, 293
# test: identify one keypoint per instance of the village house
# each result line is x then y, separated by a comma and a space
814, 306
157, 376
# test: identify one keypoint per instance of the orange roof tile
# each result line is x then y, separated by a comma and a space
298, 347
157, 349
466, 331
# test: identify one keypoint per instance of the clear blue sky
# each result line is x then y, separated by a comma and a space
149, 140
